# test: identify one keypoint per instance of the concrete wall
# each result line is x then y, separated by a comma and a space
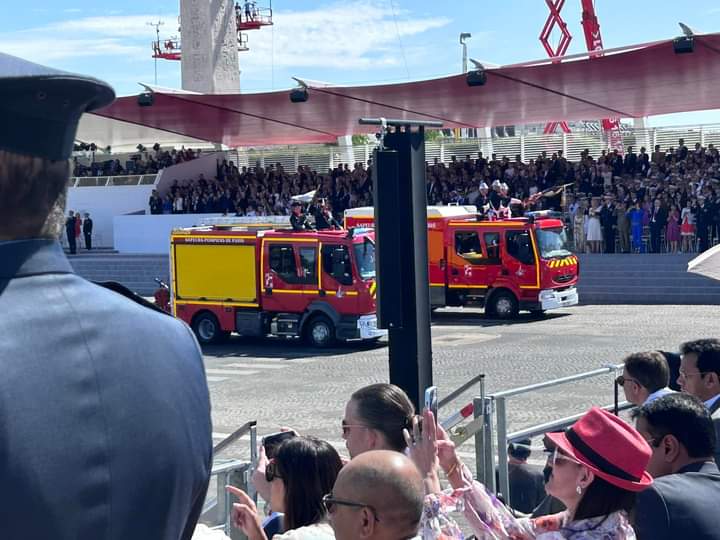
151, 234
104, 203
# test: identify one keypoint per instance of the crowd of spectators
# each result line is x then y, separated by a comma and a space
144, 162
652, 476
667, 201
264, 191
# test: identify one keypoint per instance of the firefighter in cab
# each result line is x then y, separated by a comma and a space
324, 218
298, 219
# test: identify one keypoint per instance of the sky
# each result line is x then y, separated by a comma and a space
340, 42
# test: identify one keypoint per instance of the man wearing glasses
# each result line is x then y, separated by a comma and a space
377, 496
682, 502
645, 377
700, 377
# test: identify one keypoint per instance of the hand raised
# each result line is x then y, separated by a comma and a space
244, 515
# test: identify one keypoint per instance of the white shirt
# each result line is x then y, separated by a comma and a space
657, 394
710, 402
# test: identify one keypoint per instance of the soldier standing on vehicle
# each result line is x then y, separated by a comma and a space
298, 219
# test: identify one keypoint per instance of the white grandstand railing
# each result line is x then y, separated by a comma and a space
527, 146
104, 181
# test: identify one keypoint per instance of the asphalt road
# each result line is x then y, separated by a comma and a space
285, 383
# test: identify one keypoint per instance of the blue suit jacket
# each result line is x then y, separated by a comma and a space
104, 410
681, 505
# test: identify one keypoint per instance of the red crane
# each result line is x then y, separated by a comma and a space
553, 20
249, 17
593, 41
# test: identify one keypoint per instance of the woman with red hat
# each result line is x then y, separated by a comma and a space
595, 469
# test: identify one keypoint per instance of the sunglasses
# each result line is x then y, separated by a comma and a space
555, 456
347, 427
271, 471
621, 380
330, 502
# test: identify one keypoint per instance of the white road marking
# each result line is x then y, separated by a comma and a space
216, 379
230, 372
253, 366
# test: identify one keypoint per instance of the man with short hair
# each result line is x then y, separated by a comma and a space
645, 377
105, 429
527, 484
70, 232
700, 377
87, 227
683, 500
378, 495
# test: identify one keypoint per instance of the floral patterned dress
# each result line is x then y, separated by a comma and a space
490, 519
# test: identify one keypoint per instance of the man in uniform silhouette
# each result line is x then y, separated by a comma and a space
105, 430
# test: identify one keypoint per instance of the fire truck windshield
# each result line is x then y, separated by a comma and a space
365, 257
552, 243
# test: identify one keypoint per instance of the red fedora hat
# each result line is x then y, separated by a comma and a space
610, 447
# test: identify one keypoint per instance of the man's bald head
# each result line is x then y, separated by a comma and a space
391, 487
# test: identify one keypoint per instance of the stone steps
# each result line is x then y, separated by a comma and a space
604, 279
643, 279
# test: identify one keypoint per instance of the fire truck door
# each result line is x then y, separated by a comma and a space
283, 279
519, 259
336, 278
470, 262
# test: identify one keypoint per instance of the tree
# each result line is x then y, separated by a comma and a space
360, 140
433, 134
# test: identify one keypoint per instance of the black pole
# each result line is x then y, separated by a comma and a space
402, 259
617, 398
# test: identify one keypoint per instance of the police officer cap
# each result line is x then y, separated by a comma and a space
40, 107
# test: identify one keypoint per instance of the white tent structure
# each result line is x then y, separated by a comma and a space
707, 263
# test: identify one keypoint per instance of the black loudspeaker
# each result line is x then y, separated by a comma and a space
683, 45
146, 99
388, 238
476, 78
298, 95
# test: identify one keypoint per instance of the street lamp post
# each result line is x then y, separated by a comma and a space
156, 26
463, 37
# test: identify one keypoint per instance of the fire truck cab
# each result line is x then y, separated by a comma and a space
256, 282
504, 265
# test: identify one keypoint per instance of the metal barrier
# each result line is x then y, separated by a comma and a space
481, 426
234, 472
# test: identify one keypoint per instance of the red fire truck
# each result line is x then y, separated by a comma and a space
504, 266
256, 281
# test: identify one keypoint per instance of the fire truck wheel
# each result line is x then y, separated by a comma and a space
503, 305
320, 331
206, 328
